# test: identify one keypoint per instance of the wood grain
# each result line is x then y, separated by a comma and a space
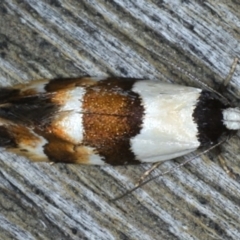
171, 41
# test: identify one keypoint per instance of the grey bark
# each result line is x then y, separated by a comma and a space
171, 41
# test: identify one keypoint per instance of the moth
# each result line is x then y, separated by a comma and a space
112, 121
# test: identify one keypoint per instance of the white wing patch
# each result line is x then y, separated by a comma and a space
68, 123
168, 129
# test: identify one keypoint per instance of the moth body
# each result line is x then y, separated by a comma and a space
113, 121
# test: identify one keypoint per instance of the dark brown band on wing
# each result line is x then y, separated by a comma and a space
6, 139
59, 150
7, 94
112, 116
209, 118
29, 110
68, 83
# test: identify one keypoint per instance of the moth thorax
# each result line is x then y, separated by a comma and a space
231, 118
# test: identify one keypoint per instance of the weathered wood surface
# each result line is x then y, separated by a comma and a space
56, 38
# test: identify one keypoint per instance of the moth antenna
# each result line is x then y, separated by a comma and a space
231, 72
167, 172
225, 82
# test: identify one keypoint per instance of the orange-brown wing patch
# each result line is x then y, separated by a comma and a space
112, 115
27, 143
59, 150
69, 83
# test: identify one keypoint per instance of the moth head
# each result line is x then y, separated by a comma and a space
231, 118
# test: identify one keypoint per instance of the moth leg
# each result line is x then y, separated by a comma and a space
229, 76
222, 162
224, 166
146, 173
